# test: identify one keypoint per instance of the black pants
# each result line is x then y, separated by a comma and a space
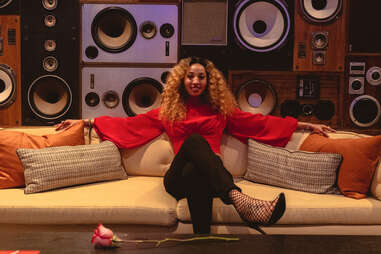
198, 174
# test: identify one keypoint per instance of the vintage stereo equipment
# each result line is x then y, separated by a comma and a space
121, 91
363, 34
9, 7
129, 33
10, 87
204, 31
363, 97
303, 95
320, 35
260, 35
50, 56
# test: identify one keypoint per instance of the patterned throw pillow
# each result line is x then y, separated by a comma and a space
298, 170
55, 167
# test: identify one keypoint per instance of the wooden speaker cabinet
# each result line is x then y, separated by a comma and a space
10, 87
308, 96
320, 41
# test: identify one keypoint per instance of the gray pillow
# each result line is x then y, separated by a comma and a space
55, 167
298, 170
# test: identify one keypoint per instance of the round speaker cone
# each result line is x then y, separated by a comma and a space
261, 26
141, 95
320, 40
50, 64
321, 11
114, 29
49, 4
167, 30
49, 97
365, 111
110, 99
7, 86
324, 110
50, 45
92, 99
356, 85
257, 96
373, 76
4, 3
50, 21
290, 108
148, 29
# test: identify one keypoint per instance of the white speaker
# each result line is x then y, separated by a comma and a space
321, 11
121, 92
130, 33
261, 26
257, 96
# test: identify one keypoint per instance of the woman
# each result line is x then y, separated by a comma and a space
197, 107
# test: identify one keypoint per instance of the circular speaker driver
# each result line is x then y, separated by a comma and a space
261, 26
373, 76
114, 29
365, 111
321, 11
49, 97
257, 96
4, 3
49, 4
7, 86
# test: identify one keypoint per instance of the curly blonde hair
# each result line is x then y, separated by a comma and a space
217, 94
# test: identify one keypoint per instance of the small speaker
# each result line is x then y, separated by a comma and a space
363, 34
363, 97
261, 35
9, 7
282, 88
318, 46
10, 87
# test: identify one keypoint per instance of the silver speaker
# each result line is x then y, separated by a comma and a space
121, 92
261, 26
356, 85
321, 11
373, 76
49, 97
130, 33
257, 96
365, 111
7, 86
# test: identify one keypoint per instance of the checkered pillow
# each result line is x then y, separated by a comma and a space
55, 167
298, 170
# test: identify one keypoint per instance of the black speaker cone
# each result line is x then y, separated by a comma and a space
324, 110
290, 108
4, 3
319, 4
365, 111
92, 99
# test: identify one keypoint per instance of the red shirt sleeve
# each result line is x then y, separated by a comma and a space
271, 130
129, 132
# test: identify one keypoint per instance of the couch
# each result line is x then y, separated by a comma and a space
140, 203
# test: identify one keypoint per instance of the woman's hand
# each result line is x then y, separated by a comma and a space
66, 124
316, 128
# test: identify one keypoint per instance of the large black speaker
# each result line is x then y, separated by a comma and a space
9, 6
50, 56
364, 35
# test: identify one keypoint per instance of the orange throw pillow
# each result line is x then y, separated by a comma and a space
11, 169
360, 158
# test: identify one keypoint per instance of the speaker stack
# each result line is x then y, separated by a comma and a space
240, 35
320, 35
127, 50
50, 56
305, 96
10, 87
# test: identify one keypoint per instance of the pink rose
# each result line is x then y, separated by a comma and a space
103, 237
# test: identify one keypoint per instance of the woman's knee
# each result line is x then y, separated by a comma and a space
195, 141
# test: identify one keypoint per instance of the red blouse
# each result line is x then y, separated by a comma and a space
135, 131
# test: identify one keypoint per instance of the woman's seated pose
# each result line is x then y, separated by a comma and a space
196, 108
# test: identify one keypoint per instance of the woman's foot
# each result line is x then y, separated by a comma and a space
258, 212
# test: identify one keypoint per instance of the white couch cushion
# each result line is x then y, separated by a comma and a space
301, 207
137, 200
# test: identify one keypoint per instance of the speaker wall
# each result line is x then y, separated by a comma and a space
261, 35
320, 35
121, 91
362, 109
323, 108
9, 7
129, 33
50, 55
10, 88
363, 34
